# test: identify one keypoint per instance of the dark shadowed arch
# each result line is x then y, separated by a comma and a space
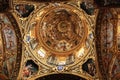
61, 77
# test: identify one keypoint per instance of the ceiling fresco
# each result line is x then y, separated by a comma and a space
39, 40
10, 48
88, 6
61, 30
108, 44
57, 37
24, 10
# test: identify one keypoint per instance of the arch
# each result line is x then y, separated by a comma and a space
61, 77
12, 45
105, 35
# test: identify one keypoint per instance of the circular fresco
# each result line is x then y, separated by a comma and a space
61, 29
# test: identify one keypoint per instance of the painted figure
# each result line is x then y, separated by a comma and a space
24, 10
89, 67
9, 65
107, 33
30, 69
87, 5
27, 71
10, 38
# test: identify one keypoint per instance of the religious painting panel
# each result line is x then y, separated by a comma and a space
89, 67
88, 6
8, 65
105, 31
61, 30
10, 47
10, 38
31, 68
24, 10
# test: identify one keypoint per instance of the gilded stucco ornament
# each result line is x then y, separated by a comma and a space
58, 37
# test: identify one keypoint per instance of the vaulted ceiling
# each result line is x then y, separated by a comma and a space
65, 38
